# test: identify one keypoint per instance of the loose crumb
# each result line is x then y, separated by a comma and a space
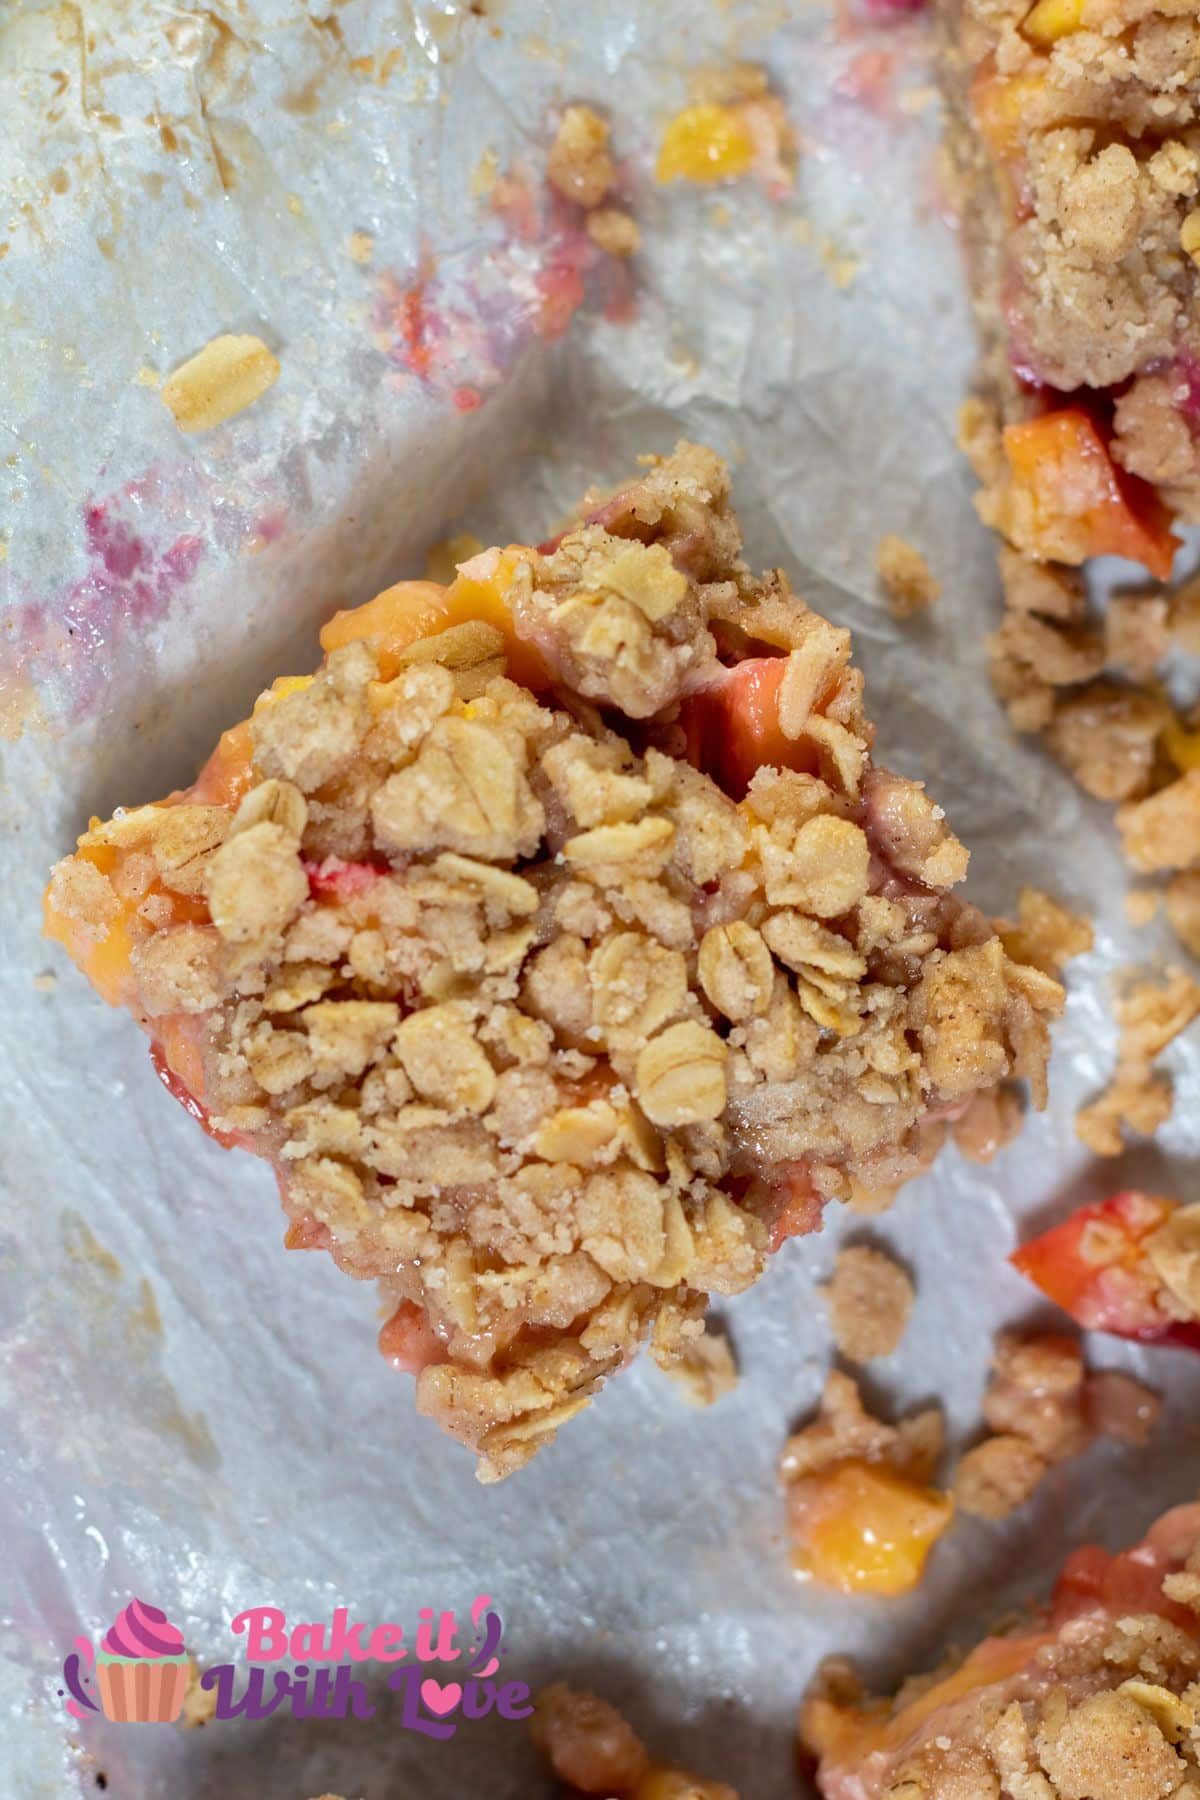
613, 231
705, 1370
46, 982
594, 1750
220, 381
907, 581
1141, 905
1046, 935
1044, 1406
869, 1299
1183, 908
361, 246
1122, 1408
199, 1704
1139, 1097
990, 1121
579, 164
996, 1476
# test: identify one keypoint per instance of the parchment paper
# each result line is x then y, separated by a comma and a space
187, 1413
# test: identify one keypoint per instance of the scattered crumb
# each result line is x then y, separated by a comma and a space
706, 1370
1044, 1406
443, 558
220, 381
199, 1704
1141, 905
842, 266
484, 174
992, 1119
295, 205
1183, 908
148, 377
996, 1476
361, 246
613, 231
593, 1750
46, 982
1120, 1407
579, 164
1139, 1097
1137, 635
869, 1299
906, 577
1046, 935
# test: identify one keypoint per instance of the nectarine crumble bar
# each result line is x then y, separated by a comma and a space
1097, 1696
563, 949
1075, 133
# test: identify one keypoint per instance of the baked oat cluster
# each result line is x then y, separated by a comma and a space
1075, 132
562, 948
1097, 1698
592, 1749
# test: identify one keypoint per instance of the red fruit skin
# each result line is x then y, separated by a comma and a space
1119, 1297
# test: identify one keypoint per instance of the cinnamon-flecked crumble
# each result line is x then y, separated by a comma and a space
1095, 1697
563, 949
594, 1750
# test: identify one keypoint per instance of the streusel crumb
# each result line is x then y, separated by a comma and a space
869, 1298
905, 576
1151, 1014
563, 949
593, 1749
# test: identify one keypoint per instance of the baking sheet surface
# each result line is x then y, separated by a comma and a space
186, 1413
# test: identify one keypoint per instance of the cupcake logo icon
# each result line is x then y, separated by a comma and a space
140, 1669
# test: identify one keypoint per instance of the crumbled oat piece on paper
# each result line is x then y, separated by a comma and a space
1183, 908
199, 1703
614, 231
1047, 935
905, 577
220, 381
580, 165
868, 1298
1150, 1014
594, 1750
705, 1369
1042, 1407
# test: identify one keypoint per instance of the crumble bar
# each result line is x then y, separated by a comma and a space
1075, 132
562, 948
1095, 1698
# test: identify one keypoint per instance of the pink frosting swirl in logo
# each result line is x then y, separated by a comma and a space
141, 1630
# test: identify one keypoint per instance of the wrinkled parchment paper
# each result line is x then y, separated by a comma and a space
187, 1413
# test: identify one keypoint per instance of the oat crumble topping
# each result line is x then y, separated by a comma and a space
563, 949
1095, 1698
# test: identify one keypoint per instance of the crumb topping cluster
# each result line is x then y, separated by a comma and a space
541, 1026
1099, 1701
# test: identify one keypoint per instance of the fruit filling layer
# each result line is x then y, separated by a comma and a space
563, 949
1096, 1698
